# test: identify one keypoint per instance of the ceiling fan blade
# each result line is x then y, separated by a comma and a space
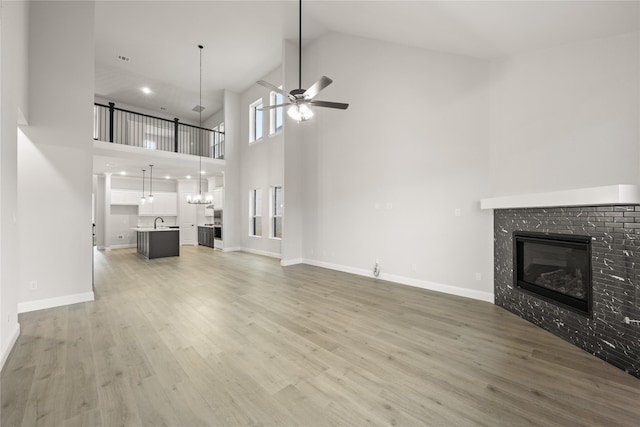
317, 87
327, 104
275, 88
270, 107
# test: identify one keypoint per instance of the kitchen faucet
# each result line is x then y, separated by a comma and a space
155, 222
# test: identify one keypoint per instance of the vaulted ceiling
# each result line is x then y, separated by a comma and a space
243, 39
243, 42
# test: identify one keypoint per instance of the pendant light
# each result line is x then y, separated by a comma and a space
142, 199
150, 183
198, 199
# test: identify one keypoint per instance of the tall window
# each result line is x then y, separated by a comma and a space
255, 213
275, 114
255, 121
216, 147
276, 212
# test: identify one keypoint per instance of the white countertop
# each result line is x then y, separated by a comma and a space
623, 194
148, 229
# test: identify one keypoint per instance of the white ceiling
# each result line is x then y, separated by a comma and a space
243, 39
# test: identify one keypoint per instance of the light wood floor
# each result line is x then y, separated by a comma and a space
229, 339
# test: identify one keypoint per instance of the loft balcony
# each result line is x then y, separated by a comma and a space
128, 128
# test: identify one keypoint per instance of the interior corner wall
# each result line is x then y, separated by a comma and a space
295, 172
13, 111
398, 176
567, 117
262, 167
232, 214
55, 158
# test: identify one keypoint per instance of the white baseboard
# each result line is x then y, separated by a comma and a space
125, 246
100, 247
408, 281
294, 261
15, 333
259, 252
232, 249
41, 304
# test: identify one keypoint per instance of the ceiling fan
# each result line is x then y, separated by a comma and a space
300, 99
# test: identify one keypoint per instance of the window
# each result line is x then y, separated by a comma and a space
216, 144
275, 114
255, 213
149, 144
276, 212
255, 121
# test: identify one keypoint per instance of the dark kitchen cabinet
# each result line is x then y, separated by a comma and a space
205, 236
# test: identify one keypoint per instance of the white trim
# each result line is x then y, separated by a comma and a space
288, 262
607, 195
41, 304
125, 246
232, 249
12, 341
260, 252
252, 121
272, 113
409, 281
100, 247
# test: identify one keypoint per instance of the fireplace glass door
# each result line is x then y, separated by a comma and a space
556, 267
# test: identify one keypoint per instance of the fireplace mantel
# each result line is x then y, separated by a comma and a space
607, 195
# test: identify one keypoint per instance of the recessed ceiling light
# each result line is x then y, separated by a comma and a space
203, 172
188, 176
163, 109
167, 177
146, 90
123, 173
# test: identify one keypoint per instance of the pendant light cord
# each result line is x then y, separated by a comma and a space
200, 130
300, 45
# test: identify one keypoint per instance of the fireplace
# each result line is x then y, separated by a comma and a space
554, 267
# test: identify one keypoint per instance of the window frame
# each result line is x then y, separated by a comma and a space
273, 212
253, 129
216, 144
255, 212
273, 113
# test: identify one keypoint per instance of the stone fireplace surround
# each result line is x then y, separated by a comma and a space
611, 217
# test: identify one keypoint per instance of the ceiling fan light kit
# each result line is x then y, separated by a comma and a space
300, 99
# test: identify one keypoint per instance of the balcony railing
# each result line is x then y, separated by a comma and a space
126, 127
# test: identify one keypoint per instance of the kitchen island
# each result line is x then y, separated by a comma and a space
158, 242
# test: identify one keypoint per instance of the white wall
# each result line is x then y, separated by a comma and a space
13, 111
262, 167
295, 172
566, 117
382, 180
215, 119
232, 191
55, 158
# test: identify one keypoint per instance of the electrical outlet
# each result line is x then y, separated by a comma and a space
457, 212
33, 285
120, 236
